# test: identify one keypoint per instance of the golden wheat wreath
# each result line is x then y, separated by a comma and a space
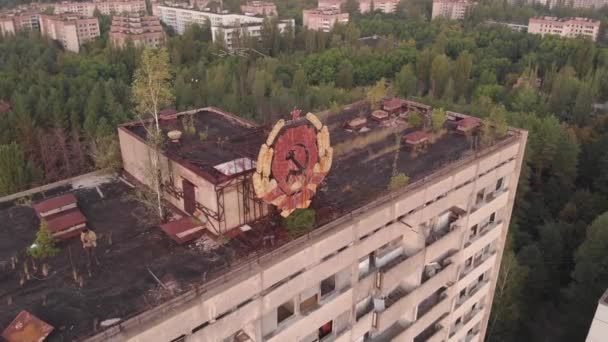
293, 162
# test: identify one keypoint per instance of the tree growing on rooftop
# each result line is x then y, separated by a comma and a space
44, 246
152, 91
399, 180
438, 117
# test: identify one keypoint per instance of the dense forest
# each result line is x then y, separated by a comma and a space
64, 108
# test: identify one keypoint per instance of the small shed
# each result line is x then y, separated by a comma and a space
356, 124
380, 115
468, 125
184, 230
64, 219
394, 106
417, 140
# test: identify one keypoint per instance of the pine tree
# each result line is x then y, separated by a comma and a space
44, 246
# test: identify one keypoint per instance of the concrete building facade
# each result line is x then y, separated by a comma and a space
262, 8
142, 31
450, 9
416, 264
323, 19
384, 6
13, 22
223, 25
87, 8
70, 30
565, 27
599, 326
330, 3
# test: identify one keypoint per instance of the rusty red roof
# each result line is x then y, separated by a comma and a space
66, 220
468, 123
54, 203
27, 328
392, 104
184, 230
416, 137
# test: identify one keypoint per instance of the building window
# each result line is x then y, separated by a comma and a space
479, 198
480, 278
285, 311
328, 285
493, 217
467, 263
325, 329
463, 293
473, 231
309, 304
499, 184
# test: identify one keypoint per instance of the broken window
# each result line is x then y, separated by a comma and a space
328, 285
463, 293
479, 198
285, 311
473, 232
309, 304
467, 263
499, 184
492, 217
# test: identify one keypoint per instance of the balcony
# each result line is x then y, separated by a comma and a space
469, 321
477, 289
400, 300
395, 271
437, 233
476, 263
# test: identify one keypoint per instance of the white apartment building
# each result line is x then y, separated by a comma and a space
70, 30
222, 24
87, 8
450, 9
416, 264
384, 6
565, 27
323, 19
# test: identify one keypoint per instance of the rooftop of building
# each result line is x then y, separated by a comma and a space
68, 17
141, 267
257, 3
565, 19
325, 11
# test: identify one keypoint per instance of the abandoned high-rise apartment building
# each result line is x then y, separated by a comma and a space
372, 223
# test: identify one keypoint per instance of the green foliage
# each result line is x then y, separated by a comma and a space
44, 245
438, 117
406, 81
16, 173
414, 119
398, 181
300, 221
151, 88
376, 93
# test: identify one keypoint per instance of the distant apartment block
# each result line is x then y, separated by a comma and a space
512, 26
142, 31
599, 326
568, 3
323, 19
87, 8
330, 3
384, 6
565, 27
70, 30
224, 26
13, 22
263, 8
450, 9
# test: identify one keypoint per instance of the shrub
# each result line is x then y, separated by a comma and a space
414, 119
399, 180
300, 221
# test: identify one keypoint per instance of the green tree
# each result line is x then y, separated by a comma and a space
152, 91
583, 104
44, 246
440, 73
438, 117
405, 81
462, 73
376, 93
345, 77
16, 172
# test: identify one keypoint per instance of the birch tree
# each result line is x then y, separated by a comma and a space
152, 91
